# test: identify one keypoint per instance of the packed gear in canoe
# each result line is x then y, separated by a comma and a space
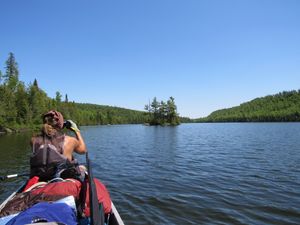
54, 177
25, 204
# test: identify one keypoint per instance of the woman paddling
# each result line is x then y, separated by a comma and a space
53, 150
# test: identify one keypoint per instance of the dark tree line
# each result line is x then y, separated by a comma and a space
162, 113
281, 107
21, 106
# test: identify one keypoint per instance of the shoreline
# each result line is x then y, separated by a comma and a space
7, 130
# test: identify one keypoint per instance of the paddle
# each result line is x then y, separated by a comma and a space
97, 214
13, 176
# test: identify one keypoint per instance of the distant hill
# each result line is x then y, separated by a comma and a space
22, 106
281, 107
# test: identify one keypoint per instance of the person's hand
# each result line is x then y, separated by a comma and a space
71, 125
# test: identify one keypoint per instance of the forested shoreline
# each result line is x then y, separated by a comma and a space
281, 107
21, 105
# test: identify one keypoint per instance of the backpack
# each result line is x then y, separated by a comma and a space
47, 163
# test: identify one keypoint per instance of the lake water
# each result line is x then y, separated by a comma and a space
232, 173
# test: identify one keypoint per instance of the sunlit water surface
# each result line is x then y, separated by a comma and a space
191, 174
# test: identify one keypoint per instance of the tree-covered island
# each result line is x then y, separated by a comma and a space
162, 113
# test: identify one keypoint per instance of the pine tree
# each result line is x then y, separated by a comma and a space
35, 83
155, 111
11, 77
162, 113
66, 98
23, 110
10, 82
172, 114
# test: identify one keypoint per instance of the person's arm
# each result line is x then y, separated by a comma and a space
79, 144
80, 147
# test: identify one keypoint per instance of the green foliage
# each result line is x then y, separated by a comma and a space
66, 98
281, 107
161, 113
11, 77
186, 120
8, 92
172, 116
22, 103
90, 114
58, 97
8, 105
38, 103
22, 106
35, 83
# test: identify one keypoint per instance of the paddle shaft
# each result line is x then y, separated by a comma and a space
13, 176
96, 208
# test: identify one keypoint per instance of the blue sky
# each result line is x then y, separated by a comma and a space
208, 55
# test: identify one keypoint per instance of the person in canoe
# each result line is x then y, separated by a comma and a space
52, 150
52, 158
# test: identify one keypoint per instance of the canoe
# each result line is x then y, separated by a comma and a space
113, 219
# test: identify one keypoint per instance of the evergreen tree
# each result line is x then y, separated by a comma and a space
172, 114
2, 106
148, 114
9, 106
66, 98
163, 113
155, 105
155, 111
22, 103
38, 102
11, 77
58, 97
8, 89
35, 83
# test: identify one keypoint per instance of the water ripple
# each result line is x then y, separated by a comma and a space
191, 174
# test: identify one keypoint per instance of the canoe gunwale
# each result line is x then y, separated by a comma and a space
12, 195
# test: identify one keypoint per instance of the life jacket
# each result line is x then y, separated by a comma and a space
47, 160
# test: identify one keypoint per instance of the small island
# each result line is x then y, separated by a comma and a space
162, 113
